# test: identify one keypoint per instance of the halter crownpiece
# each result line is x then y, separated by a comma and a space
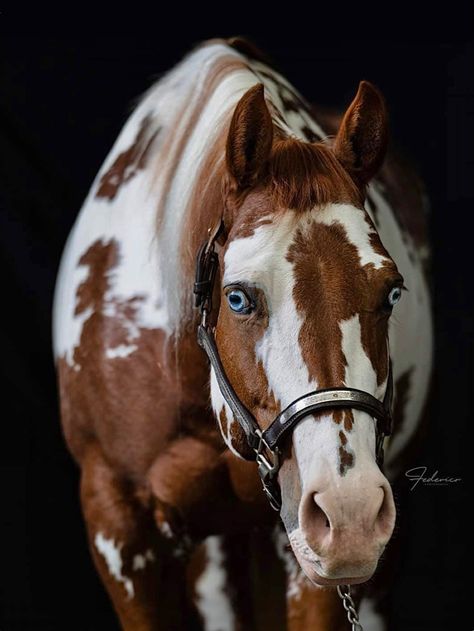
266, 444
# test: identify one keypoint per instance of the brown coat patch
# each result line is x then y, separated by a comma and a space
249, 49
330, 289
127, 164
316, 608
346, 458
236, 339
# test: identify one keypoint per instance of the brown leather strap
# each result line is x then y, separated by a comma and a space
245, 418
318, 400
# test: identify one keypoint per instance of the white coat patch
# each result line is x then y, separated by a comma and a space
212, 600
123, 350
358, 231
166, 530
369, 618
140, 561
218, 404
294, 574
111, 553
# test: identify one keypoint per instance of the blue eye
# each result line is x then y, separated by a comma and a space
238, 301
394, 296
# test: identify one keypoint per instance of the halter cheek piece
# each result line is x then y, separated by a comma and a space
265, 444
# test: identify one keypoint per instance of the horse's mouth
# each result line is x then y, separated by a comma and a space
315, 574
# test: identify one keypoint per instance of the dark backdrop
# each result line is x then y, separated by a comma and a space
64, 98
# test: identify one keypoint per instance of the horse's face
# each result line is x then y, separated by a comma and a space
307, 291
305, 305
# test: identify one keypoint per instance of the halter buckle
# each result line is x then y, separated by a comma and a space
268, 469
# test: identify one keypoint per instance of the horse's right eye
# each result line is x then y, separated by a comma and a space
238, 301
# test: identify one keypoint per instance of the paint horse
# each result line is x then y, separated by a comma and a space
313, 257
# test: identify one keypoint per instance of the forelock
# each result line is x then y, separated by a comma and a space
303, 176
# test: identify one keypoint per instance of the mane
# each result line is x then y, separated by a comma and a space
303, 175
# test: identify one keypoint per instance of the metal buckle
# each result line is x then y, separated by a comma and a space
268, 469
204, 313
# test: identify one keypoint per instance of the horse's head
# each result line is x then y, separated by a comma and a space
307, 289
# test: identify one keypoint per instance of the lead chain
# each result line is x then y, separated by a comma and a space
344, 592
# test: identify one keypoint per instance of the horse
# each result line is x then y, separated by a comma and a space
297, 234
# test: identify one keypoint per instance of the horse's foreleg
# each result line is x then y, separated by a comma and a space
319, 609
125, 549
219, 582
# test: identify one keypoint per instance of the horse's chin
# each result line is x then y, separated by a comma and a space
314, 574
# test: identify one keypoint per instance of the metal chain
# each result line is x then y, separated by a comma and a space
344, 592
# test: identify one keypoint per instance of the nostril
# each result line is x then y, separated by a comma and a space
385, 516
319, 513
316, 523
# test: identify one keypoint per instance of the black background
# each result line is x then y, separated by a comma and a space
64, 97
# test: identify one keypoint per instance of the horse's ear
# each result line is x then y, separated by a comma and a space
250, 138
361, 141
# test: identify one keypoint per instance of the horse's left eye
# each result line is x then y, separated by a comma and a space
394, 296
239, 301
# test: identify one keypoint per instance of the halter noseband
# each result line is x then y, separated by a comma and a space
265, 444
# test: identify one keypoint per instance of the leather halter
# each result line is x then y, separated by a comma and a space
266, 444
